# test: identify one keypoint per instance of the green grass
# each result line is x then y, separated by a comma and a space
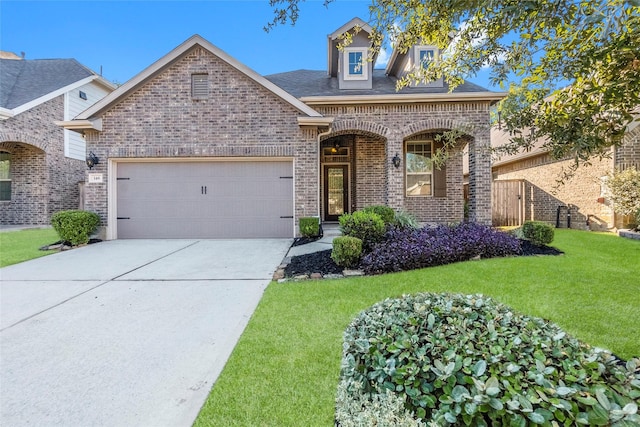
284, 370
23, 245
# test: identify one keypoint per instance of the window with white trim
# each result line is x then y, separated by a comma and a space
356, 66
5, 176
419, 168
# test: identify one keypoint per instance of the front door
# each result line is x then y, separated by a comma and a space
336, 191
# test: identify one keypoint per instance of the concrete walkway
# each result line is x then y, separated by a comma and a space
126, 332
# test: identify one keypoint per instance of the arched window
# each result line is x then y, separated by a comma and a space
5, 176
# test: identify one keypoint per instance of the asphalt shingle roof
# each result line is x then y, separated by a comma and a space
303, 83
22, 81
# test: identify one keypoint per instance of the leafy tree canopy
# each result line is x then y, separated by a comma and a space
576, 62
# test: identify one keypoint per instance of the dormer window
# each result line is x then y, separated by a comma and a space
355, 64
424, 55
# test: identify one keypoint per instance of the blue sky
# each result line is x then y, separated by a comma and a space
124, 37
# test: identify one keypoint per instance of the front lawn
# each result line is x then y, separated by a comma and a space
23, 245
284, 371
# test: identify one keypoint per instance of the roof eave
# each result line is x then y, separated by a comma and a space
410, 98
315, 121
5, 113
81, 125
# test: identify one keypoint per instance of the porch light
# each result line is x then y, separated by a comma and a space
92, 160
396, 161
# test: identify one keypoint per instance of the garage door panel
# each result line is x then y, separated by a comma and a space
246, 199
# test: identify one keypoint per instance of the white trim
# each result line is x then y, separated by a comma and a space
406, 98
349, 25
5, 113
431, 180
315, 121
364, 63
80, 125
174, 55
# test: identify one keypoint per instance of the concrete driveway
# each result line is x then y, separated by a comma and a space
125, 332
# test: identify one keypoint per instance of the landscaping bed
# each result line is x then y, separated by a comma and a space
321, 262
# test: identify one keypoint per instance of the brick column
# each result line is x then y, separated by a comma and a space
395, 179
480, 177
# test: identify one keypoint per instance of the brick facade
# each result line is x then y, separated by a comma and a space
583, 194
160, 119
240, 118
544, 193
44, 181
381, 131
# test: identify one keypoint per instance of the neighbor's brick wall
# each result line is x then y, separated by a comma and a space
395, 123
239, 119
44, 181
543, 193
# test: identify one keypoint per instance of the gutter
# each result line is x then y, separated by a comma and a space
412, 98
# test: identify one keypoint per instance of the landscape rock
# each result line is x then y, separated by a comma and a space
353, 273
315, 276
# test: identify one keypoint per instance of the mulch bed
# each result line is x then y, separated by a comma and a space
321, 262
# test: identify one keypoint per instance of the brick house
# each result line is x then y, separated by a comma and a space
41, 164
525, 186
199, 145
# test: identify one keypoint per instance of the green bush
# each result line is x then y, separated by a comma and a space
385, 212
404, 219
75, 226
310, 226
366, 226
467, 360
539, 233
346, 251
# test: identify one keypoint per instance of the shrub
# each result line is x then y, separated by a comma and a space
366, 226
539, 233
75, 226
624, 189
386, 213
310, 226
346, 251
358, 409
404, 219
406, 249
467, 360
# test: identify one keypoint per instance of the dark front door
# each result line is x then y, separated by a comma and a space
336, 191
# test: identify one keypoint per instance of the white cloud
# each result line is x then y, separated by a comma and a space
383, 59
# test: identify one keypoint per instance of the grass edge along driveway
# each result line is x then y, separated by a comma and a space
23, 245
284, 371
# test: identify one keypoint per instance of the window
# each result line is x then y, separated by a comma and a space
425, 56
356, 66
200, 86
419, 169
5, 176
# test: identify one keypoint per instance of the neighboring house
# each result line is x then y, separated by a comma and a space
199, 145
41, 164
526, 186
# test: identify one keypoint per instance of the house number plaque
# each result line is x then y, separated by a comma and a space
95, 178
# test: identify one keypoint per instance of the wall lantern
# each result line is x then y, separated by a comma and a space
92, 160
396, 161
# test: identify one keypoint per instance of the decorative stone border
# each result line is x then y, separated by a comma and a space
629, 234
280, 277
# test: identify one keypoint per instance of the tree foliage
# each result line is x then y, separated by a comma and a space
576, 62
624, 188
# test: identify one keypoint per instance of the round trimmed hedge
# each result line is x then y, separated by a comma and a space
467, 360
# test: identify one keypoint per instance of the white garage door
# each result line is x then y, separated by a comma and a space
209, 200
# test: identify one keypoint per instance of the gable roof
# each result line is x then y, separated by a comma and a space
27, 83
158, 66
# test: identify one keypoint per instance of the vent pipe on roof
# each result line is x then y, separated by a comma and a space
22, 54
